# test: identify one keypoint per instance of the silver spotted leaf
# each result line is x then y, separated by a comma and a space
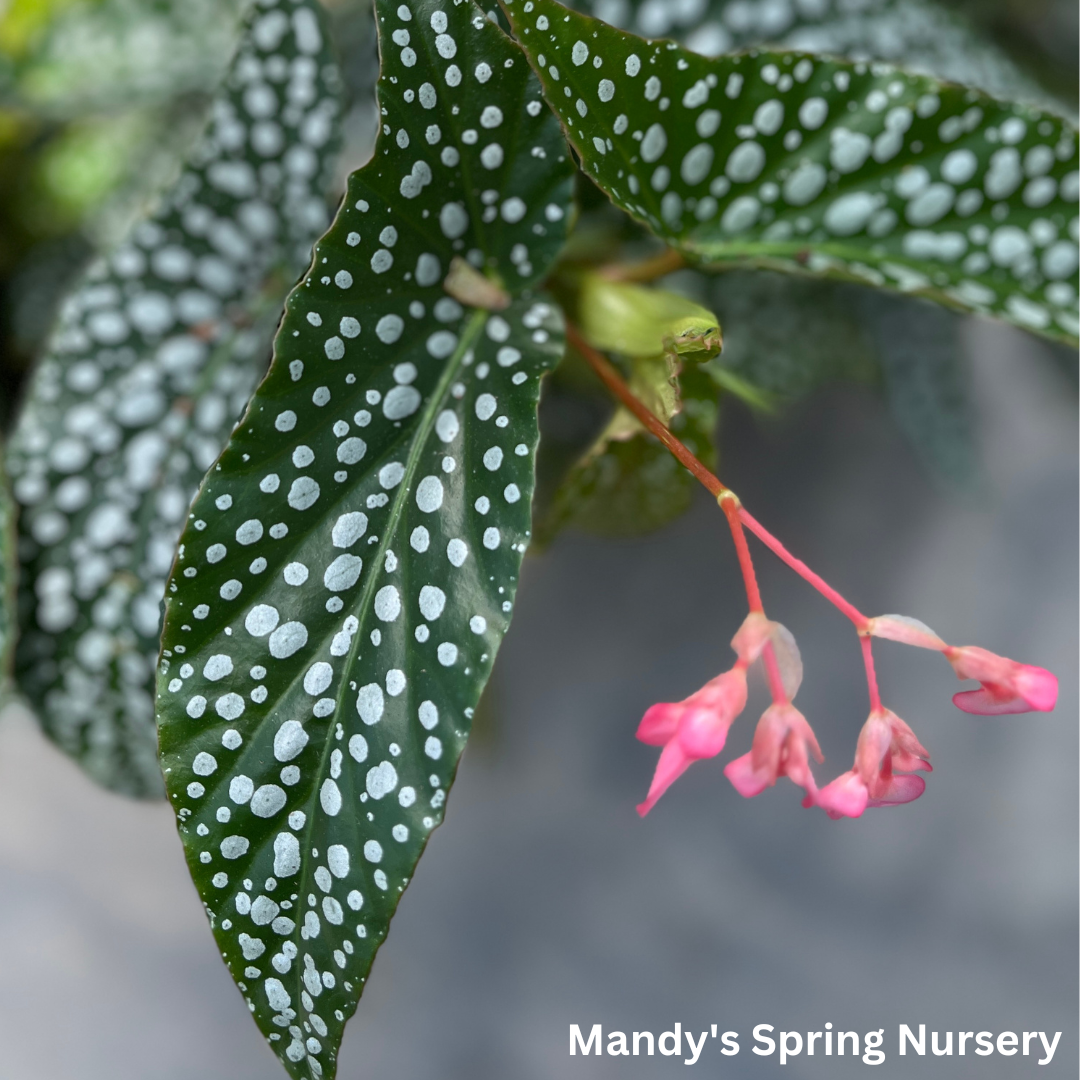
850, 170
920, 35
113, 54
155, 355
350, 564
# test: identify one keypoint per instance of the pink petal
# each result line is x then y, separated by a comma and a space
747, 780
659, 723
704, 724
902, 789
769, 736
672, 764
983, 703
788, 659
906, 630
1037, 686
751, 637
872, 747
971, 662
703, 732
846, 796
908, 753
1011, 687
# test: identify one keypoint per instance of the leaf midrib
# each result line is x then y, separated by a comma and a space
363, 604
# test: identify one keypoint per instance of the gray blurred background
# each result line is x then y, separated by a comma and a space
545, 901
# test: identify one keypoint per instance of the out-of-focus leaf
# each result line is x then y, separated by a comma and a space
104, 55
923, 36
854, 171
154, 356
788, 335
351, 562
922, 361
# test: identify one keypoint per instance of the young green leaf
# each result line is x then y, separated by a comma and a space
351, 562
850, 170
154, 357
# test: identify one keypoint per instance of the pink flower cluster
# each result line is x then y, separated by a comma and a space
888, 754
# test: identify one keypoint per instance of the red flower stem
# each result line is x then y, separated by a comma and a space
853, 613
772, 670
729, 503
615, 383
871, 675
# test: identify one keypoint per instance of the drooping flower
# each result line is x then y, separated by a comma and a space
697, 727
783, 743
887, 753
1007, 686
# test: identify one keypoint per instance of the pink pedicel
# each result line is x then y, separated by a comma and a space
887, 750
697, 727
783, 743
1007, 687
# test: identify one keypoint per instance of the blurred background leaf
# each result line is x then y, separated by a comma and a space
100, 102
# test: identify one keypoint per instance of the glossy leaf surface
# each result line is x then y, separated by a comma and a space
351, 562
856, 171
155, 354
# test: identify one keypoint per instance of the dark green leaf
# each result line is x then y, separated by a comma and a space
351, 562
789, 335
922, 361
631, 485
924, 36
155, 354
856, 171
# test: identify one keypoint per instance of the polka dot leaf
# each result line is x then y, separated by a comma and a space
857, 171
154, 356
919, 33
350, 564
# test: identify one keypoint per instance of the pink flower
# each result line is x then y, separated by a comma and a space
691, 729
783, 742
885, 744
1007, 687
697, 726
846, 796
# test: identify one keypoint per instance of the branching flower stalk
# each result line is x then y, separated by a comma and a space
887, 755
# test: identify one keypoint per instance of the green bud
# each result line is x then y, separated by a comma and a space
638, 321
